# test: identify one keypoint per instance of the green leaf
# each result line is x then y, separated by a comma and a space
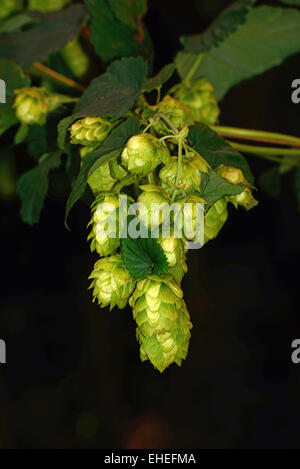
109, 150
225, 24
37, 141
267, 38
270, 181
114, 93
111, 37
21, 134
49, 34
162, 77
143, 256
14, 78
216, 150
33, 187
129, 11
14, 23
214, 188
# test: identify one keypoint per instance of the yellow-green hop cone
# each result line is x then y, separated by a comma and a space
163, 321
112, 284
236, 176
32, 105
89, 131
7, 7
191, 218
215, 219
245, 199
190, 175
143, 153
154, 206
47, 6
175, 253
104, 224
200, 97
176, 112
75, 58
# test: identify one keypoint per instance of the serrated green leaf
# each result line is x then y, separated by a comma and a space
33, 187
51, 32
143, 256
109, 150
162, 77
37, 141
216, 151
267, 38
270, 181
226, 23
14, 78
111, 37
214, 188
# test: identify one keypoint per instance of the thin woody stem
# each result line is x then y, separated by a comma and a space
57, 76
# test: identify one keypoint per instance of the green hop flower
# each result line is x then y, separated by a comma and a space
75, 58
190, 175
9, 6
32, 105
175, 253
143, 153
176, 112
235, 176
163, 321
47, 6
89, 131
215, 219
112, 283
200, 97
190, 218
155, 206
104, 224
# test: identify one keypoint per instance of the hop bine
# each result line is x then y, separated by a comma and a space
112, 284
90, 131
163, 321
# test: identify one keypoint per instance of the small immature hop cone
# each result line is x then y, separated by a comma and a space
32, 105
235, 176
154, 209
89, 131
215, 219
163, 321
7, 7
176, 112
200, 97
143, 153
190, 175
47, 6
112, 284
104, 224
75, 57
175, 253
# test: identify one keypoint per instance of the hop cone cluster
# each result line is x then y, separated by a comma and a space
163, 322
90, 131
200, 97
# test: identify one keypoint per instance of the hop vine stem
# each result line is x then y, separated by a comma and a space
57, 76
270, 153
257, 136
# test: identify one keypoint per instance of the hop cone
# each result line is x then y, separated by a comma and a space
163, 321
143, 153
215, 219
190, 175
200, 97
155, 208
32, 105
104, 224
89, 131
112, 283
75, 58
175, 254
235, 176
7, 7
176, 112
47, 6
190, 216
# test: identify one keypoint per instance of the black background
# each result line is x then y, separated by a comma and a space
74, 378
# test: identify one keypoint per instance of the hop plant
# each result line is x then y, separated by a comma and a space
236, 176
153, 211
175, 253
215, 219
48, 5
104, 224
143, 153
112, 284
190, 175
163, 321
177, 114
89, 131
10, 6
200, 97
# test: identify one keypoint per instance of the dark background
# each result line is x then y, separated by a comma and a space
74, 378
